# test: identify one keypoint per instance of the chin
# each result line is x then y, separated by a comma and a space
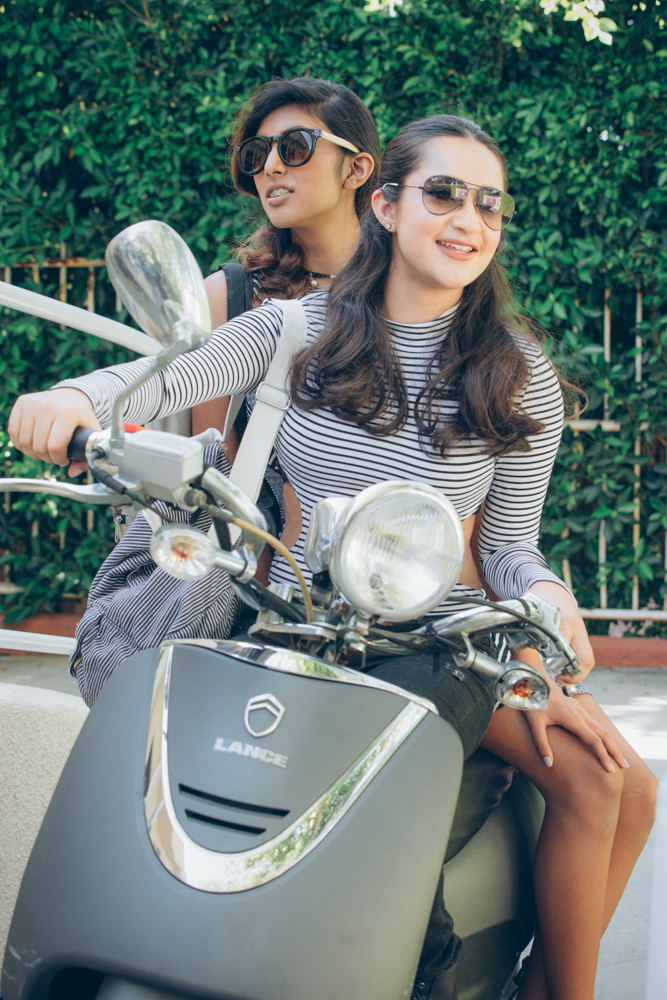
284, 220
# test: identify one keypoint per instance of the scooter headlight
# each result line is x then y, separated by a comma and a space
183, 552
522, 687
397, 550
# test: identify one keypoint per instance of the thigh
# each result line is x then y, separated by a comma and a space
462, 699
575, 767
484, 781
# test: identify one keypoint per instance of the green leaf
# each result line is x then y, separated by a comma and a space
42, 157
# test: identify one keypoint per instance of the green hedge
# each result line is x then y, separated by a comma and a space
117, 111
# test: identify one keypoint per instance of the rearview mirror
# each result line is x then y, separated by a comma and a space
159, 282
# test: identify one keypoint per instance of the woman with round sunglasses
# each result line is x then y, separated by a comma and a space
419, 366
309, 151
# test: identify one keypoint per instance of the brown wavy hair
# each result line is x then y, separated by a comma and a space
353, 368
269, 251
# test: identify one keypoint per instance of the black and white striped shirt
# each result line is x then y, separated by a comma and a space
323, 456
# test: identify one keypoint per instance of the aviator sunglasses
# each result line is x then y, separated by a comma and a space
445, 194
295, 147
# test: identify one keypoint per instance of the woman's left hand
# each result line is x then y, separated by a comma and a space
571, 625
569, 713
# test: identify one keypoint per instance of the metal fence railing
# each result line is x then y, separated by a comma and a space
604, 612
14, 297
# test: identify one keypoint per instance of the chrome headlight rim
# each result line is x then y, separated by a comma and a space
359, 505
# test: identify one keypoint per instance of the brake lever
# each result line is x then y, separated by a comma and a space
558, 655
97, 493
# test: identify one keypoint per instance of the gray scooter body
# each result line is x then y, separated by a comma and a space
346, 922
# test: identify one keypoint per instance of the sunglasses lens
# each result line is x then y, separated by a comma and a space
496, 207
252, 156
296, 147
443, 194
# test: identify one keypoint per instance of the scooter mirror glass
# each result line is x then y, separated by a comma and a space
160, 283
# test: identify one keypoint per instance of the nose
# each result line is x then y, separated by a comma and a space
274, 165
467, 215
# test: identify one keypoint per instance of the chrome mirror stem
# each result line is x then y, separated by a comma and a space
158, 364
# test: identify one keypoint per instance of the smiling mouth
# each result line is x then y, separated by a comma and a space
459, 247
278, 193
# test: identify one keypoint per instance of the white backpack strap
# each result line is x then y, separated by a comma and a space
273, 400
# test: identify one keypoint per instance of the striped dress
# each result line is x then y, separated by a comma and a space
322, 456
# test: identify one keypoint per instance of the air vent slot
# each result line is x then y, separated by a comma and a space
218, 800
225, 824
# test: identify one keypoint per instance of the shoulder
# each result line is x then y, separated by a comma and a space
216, 290
541, 368
542, 394
314, 305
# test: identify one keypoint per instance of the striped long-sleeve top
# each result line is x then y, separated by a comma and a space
323, 456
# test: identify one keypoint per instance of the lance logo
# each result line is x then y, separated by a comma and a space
264, 703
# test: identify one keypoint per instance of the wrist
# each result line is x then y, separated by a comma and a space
556, 592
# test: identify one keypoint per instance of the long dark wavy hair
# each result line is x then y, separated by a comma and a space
353, 368
269, 251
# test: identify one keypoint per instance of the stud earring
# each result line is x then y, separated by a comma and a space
388, 226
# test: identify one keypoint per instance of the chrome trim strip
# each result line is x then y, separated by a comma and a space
290, 662
213, 871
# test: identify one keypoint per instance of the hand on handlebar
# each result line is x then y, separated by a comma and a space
41, 424
571, 625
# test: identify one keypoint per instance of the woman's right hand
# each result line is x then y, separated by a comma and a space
41, 424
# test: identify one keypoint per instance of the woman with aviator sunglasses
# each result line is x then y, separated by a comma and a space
487, 400
417, 366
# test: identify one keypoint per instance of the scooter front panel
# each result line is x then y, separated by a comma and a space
234, 822
347, 921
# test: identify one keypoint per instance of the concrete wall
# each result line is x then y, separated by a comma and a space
37, 731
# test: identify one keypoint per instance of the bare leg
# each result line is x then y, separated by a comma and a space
635, 817
573, 853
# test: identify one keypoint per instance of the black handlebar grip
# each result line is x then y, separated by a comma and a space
77, 446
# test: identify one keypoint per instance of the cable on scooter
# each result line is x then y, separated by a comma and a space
115, 484
526, 619
286, 554
259, 592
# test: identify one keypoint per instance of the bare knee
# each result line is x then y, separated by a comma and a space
587, 794
639, 798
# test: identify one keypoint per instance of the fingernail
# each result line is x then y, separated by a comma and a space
625, 763
613, 769
548, 761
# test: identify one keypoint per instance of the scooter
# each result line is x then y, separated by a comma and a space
259, 818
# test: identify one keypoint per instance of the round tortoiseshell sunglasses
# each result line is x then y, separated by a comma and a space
295, 147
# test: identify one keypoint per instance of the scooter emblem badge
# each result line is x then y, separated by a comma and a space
268, 703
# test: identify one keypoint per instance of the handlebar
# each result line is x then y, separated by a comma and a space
76, 450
